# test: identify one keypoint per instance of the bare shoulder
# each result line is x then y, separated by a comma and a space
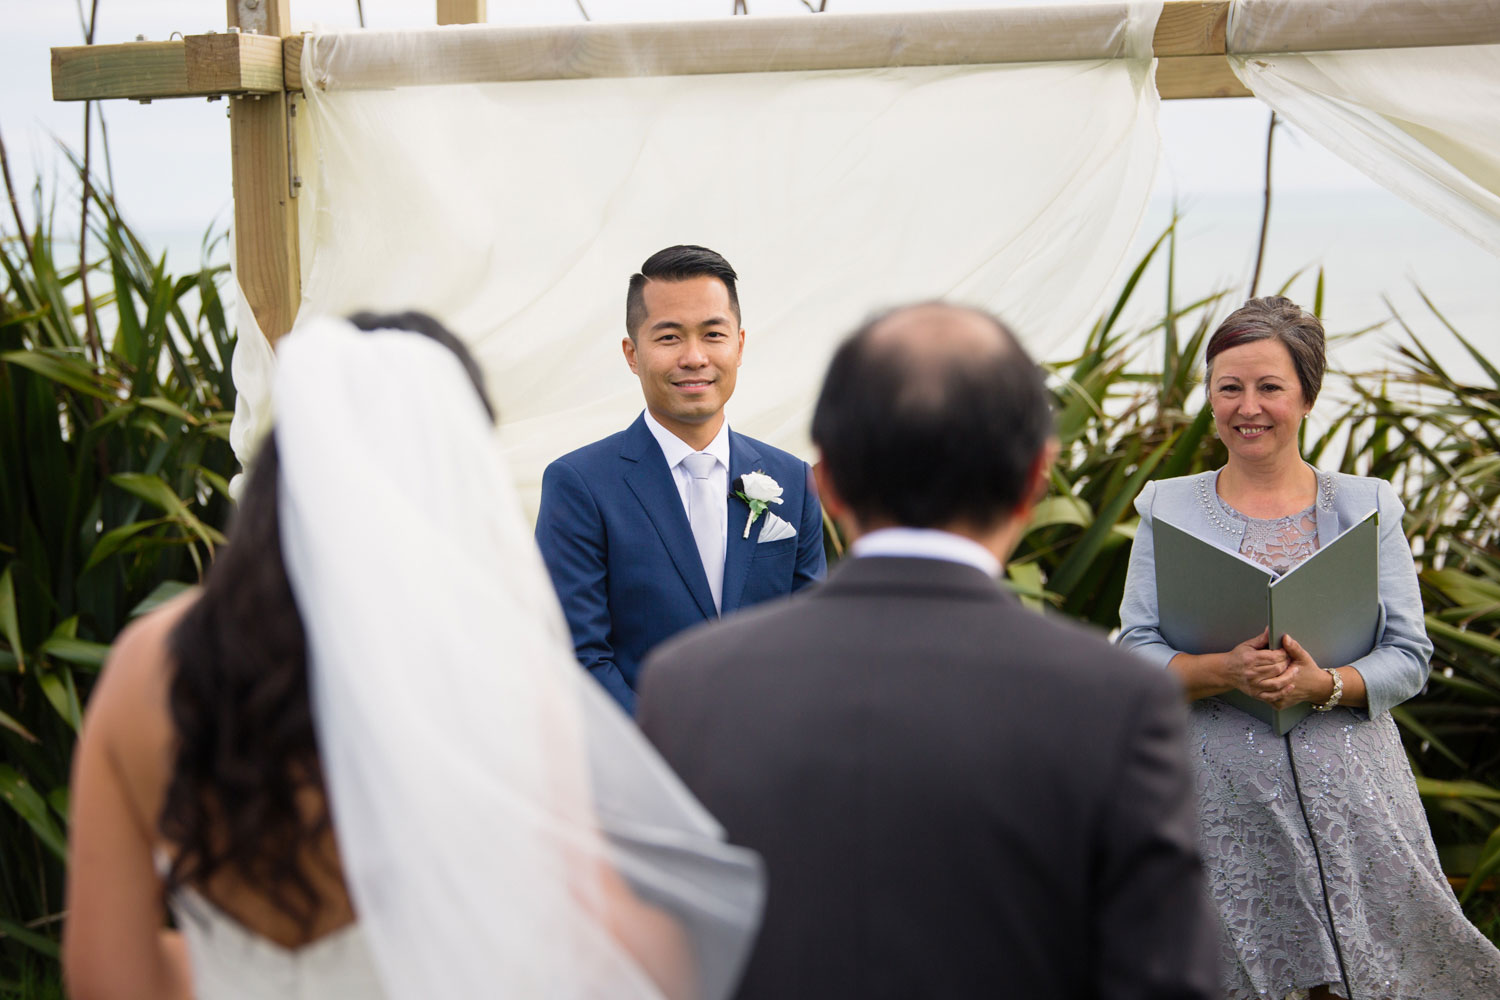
124, 749
130, 698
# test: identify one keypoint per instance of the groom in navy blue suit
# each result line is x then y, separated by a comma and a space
653, 529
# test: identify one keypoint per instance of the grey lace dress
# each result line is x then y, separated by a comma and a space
1395, 920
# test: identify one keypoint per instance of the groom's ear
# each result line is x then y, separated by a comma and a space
628, 346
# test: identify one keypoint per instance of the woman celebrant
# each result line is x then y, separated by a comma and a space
1320, 861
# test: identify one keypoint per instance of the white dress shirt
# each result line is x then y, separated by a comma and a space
927, 543
676, 449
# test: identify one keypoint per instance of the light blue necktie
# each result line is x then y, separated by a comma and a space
706, 507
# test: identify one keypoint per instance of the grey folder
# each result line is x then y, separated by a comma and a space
1211, 599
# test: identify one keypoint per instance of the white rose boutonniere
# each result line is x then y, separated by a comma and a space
759, 491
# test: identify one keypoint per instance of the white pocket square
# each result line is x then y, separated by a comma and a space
775, 529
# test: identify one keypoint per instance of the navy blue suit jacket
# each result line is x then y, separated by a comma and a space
618, 545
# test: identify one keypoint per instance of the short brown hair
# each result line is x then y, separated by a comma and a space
1279, 318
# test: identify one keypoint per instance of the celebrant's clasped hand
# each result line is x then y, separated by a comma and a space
1254, 668
1301, 680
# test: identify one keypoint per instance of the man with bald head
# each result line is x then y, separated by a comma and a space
954, 796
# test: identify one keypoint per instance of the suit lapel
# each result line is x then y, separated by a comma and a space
743, 458
651, 481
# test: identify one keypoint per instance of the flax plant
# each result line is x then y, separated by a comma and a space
112, 495
1438, 438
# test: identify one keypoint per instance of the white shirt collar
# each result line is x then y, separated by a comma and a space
927, 543
676, 449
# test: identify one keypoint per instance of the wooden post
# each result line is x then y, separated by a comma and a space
267, 258
460, 11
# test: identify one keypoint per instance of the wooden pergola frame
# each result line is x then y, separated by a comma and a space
257, 64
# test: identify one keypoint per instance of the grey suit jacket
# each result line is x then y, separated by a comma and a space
954, 796
1393, 671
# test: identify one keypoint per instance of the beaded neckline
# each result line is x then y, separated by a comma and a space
1217, 511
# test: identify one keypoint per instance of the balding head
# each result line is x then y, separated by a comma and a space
932, 415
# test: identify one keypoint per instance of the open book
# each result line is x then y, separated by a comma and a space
1209, 600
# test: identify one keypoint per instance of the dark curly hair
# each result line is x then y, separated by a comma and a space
245, 753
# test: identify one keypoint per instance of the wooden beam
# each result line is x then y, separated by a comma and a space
139, 70
1380, 24
267, 260
1191, 28
495, 54
291, 62
460, 11
1189, 39
1177, 77
196, 66
233, 63
1189, 77
1187, 29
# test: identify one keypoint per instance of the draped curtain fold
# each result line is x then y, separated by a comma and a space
1423, 121
515, 212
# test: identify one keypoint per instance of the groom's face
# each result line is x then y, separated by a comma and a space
686, 353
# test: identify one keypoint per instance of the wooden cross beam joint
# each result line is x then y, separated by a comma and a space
1190, 46
211, 65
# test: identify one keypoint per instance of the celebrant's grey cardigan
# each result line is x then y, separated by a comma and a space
1393, 671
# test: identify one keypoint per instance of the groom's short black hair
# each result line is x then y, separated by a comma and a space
926, 420
677, 263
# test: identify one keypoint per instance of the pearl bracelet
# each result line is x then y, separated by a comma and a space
1338, 692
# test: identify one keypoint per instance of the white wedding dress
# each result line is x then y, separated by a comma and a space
488, 798
230, 962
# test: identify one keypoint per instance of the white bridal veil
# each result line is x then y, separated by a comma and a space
487, 796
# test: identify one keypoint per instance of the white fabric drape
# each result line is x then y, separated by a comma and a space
1422, 121
515, 212
490, 800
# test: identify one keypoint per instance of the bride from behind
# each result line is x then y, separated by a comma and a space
361, 761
